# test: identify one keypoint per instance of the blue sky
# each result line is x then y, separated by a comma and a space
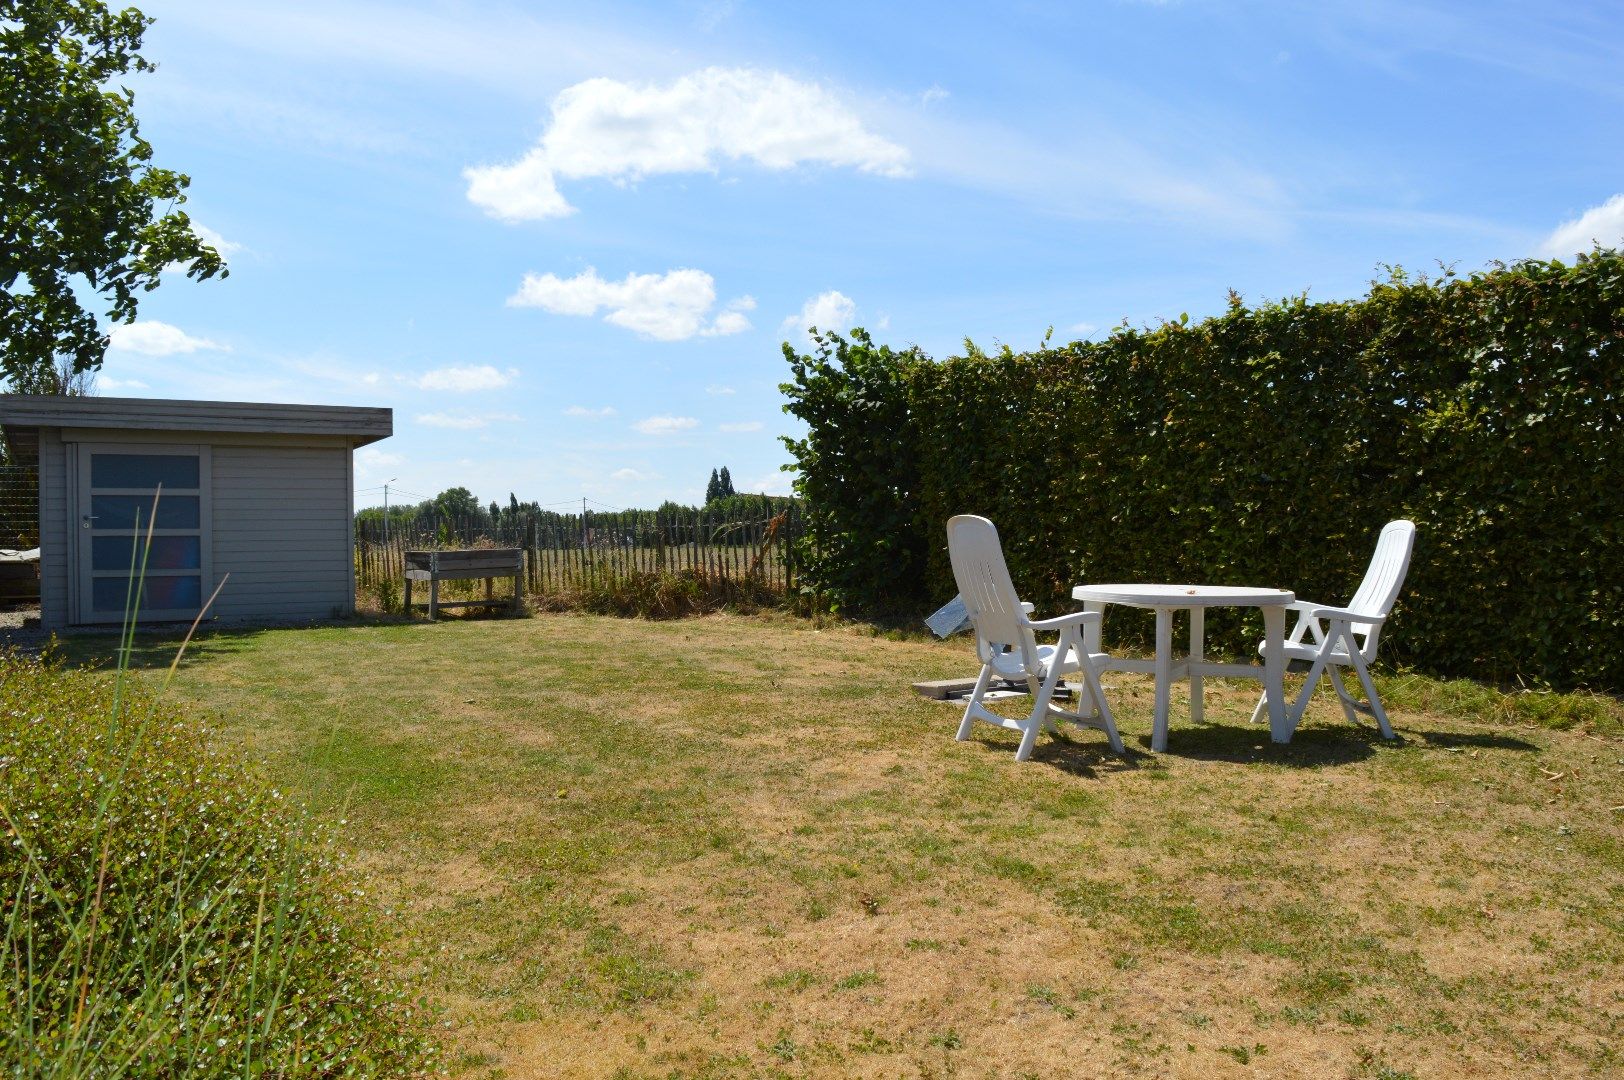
563, 242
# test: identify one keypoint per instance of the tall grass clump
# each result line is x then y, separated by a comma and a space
165, 913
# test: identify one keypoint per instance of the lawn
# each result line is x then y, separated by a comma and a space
738, 846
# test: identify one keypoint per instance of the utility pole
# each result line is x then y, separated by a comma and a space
386, 484
583, 523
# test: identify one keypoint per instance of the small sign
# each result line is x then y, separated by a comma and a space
950, 620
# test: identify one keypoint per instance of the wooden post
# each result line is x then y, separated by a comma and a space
434, 587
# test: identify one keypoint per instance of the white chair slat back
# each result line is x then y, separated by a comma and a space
1385, 577
989, 593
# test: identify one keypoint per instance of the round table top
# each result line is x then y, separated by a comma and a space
1183, 596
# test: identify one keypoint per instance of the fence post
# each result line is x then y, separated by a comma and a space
529, 547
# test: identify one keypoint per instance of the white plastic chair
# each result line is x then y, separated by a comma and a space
1006, 641
1347, 637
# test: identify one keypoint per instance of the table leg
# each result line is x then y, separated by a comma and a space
434, 597
1198, 634
1274, 671
408, 604
1092, 631
1164, 677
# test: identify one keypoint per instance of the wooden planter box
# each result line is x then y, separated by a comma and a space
488, 563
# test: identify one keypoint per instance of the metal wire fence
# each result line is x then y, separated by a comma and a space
19, 507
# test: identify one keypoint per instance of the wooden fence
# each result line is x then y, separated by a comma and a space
569, 552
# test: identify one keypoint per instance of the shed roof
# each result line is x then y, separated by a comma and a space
361, 424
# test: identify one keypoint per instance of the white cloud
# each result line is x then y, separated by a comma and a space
464, 421
330, 368
226, 248
604, 128
720, 390
582, 410
1602, 225
215, 240
522, 191
1082, 329
630, 474
370, 461
463, 380
774, 483
830, 310
109, 382
934, 94
742, 425
666, 425
732, 319
153, 338
672, 306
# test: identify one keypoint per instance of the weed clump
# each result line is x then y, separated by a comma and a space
164, 912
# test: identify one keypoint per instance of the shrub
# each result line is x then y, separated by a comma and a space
1265, 446
164, 913
660, 594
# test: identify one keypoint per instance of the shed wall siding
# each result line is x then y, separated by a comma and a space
282, 531
54, 530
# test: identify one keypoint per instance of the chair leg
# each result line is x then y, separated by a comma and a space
1040, 712
1102, 708
1262, 704
975, 700
1370, 688
1342, 694
1314, 672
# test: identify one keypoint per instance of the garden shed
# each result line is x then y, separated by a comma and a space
262, 492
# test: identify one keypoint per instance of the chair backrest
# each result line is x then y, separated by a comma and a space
989, 595
1384, 578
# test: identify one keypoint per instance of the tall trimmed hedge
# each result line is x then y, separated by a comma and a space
1266, 446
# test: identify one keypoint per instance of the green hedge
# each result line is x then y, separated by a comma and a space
1267, 446
164, 913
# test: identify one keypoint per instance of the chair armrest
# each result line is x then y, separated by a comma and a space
1345, 615
1027, 608
1305, 622
1076, 618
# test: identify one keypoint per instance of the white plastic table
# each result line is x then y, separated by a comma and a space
1165, 600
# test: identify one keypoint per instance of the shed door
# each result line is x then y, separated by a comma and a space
124, 492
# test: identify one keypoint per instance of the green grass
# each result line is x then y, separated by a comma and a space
741, 847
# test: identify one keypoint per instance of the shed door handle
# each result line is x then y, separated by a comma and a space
88, 519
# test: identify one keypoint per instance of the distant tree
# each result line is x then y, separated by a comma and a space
670, 509
513, 505
85, 216
457, 502
725, 485
57, 377
496, 511
713, 490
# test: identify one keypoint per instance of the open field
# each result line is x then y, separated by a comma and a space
741, 847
